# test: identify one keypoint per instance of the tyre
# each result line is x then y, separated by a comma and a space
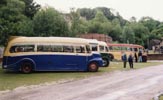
26, 67
111, 57
105, 62
93, 67
144, 58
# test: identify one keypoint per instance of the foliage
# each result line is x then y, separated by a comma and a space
49, 22
2, 3
31, 8
11, 18
99, 24
141, 33
150, 23
87, 13
24, 18
158, 31
128, 35
78, 25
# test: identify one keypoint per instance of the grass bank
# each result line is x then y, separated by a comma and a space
11, 80
161, 98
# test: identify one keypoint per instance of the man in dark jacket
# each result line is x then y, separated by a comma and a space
130, 60
124, 59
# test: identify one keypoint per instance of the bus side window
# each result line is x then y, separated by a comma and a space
102, 48
106, 49
16, 48
57, 48
39, 48
19, 49
22, 48
69, 49
88, 49
80, 49
13, 49
110, 48
46, 48
28, 48
94, 47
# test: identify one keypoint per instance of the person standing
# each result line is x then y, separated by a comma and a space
140, 55
130, 61
124, 59
136, 57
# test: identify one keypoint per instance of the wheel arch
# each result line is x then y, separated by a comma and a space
108, 61
93, 61
28, 60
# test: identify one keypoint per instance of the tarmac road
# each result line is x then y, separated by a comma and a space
135, 84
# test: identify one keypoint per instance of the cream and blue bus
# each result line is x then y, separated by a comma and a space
27, 54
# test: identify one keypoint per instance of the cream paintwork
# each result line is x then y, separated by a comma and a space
44, 40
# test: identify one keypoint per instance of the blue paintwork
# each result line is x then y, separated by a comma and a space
52, 62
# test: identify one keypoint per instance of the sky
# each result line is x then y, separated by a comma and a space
126, 8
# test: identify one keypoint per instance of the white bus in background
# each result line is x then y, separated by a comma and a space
102, 48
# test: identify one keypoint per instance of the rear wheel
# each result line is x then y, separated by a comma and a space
26, 67
93, 67
144, 58
111, 57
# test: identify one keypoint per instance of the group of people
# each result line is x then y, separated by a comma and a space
130, 58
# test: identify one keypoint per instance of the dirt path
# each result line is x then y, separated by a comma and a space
140, 84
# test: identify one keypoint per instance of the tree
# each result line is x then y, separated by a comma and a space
128, 35
49, 22
11, 18
116, 33
141, 33
31, 8
157, 33
87, 13
100, 17
26, 28
107, 12
133, 19
149, 22
2, 3
75, 23
100, 24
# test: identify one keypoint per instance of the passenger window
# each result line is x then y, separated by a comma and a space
94, 47
101, 48
57, 48
106, 49
69, 49
22, 48
44, 48
29, 48
80, 49
88, 49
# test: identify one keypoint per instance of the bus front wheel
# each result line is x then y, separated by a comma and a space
93, 67
26, 67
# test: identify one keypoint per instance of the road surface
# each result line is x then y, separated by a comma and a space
135, 84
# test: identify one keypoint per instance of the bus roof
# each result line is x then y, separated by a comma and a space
120, 45
126, 45
92, 41
102, 43
47, 40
